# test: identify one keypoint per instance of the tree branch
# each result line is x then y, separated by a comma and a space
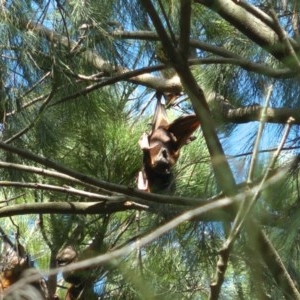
44, 172
91, 57
253, 112
102, 207
55, 188
254, 28
184, 25
115, 188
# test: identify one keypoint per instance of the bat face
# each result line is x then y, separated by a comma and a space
66, 256
163, 151
161, 148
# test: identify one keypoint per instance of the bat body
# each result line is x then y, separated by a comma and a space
161, 149
16, 265
81, 281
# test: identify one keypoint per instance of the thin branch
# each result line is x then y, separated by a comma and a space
99, 207
246, 65
28, 104
231, 156
126, 250
252, 113
243, 214
45, 172
261, 127
283, 279
93, 58
12, 198
172, 35
6, 239
184, 25
152, 36
274, 262
34, 86
146, 239
116, 188
172, 84
252, 27
55, 188
36, 119
285, 40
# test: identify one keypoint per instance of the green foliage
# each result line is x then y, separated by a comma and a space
58, 100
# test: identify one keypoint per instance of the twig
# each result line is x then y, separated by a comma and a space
45, 172
259, 134
285, 40
36, 119
12, 198
124, 75
184, 25
83, 208
5, 238
172, 35
34, 85
37, 99
243, 214
55, 188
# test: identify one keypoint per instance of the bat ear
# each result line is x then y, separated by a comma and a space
182, 129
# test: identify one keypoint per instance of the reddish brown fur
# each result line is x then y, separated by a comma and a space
161, 148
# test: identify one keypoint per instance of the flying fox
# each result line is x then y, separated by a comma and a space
161, 149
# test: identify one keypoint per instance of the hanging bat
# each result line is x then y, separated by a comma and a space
16, 265
161, 149
81, 281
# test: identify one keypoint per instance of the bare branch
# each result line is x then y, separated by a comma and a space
254, 28
91, 57
252, 113
44, 172
55, 188
256, 12
246, 65
102, 207
35, 120
285, 40
263, 118
115, 188
184, 25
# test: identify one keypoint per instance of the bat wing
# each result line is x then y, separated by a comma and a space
182, 129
